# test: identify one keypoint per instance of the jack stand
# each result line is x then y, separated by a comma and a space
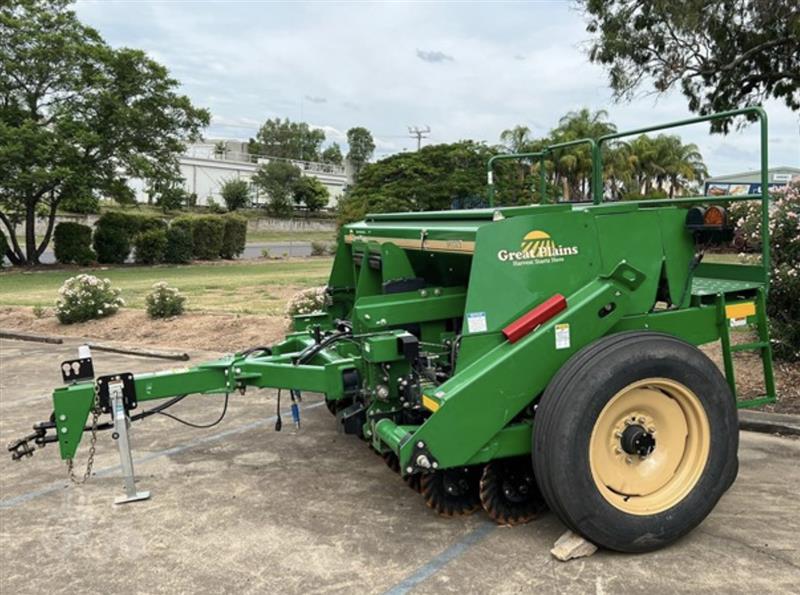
121, 426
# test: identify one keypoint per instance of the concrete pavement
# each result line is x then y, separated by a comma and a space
242, 508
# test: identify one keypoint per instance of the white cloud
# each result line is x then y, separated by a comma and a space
342, 65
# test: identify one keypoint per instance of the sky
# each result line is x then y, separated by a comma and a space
466, 70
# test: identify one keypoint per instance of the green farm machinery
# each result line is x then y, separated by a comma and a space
510, 359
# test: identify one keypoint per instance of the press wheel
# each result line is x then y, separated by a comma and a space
452, 492
414, 481
509, 493
391, 461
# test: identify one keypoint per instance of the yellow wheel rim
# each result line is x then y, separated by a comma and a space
649, 446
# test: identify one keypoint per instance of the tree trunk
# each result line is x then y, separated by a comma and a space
14, 252
51, 221
30, 234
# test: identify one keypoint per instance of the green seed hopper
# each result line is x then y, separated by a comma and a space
510, 359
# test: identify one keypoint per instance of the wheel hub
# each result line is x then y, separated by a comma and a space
636, 440
649, 445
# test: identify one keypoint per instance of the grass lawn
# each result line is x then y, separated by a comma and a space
243, 287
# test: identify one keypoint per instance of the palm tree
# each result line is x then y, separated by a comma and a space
517, 139
686, 169
644, 162
618, 167
665, 159
574, 165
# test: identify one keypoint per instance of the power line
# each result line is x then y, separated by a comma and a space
419, 134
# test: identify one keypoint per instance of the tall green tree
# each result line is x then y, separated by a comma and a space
312, 193
332, 154
721, 54
278, 179
362, 146
288, 140
77, 116
235, 193
435, 177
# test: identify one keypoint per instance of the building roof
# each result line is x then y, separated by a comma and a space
754, 175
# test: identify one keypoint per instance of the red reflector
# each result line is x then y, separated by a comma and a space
540, 314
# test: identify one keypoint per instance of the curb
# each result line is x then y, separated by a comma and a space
173, 355
769, 423
30, 337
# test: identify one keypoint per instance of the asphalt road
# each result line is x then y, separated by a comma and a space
242, 508
251, 251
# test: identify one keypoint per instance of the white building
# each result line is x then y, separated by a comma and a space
207, 165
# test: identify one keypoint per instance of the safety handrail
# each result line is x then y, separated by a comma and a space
541, 155
597, 173
516, 156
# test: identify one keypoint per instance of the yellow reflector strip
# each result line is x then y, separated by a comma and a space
742, 310
429, 403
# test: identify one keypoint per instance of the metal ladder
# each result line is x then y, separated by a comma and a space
762, 345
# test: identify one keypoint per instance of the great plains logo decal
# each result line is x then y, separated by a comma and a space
537, 247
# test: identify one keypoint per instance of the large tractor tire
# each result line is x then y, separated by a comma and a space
635, 440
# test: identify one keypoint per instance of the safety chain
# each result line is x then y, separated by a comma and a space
92, 443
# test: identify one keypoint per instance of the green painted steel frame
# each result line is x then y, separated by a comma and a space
480, 401
72, 404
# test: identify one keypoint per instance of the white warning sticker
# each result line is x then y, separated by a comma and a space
476, 322
734, 322
562, 336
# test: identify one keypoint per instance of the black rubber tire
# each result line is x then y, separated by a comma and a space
565, 418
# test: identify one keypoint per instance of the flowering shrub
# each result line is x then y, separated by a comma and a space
86, 297
783, 305
164, 301
307, 301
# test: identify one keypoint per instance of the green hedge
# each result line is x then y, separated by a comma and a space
234, 238
179, 243
208, 231
111, 245
115, 233
151, 246
72, 243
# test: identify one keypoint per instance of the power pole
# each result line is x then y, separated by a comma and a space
419, 133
